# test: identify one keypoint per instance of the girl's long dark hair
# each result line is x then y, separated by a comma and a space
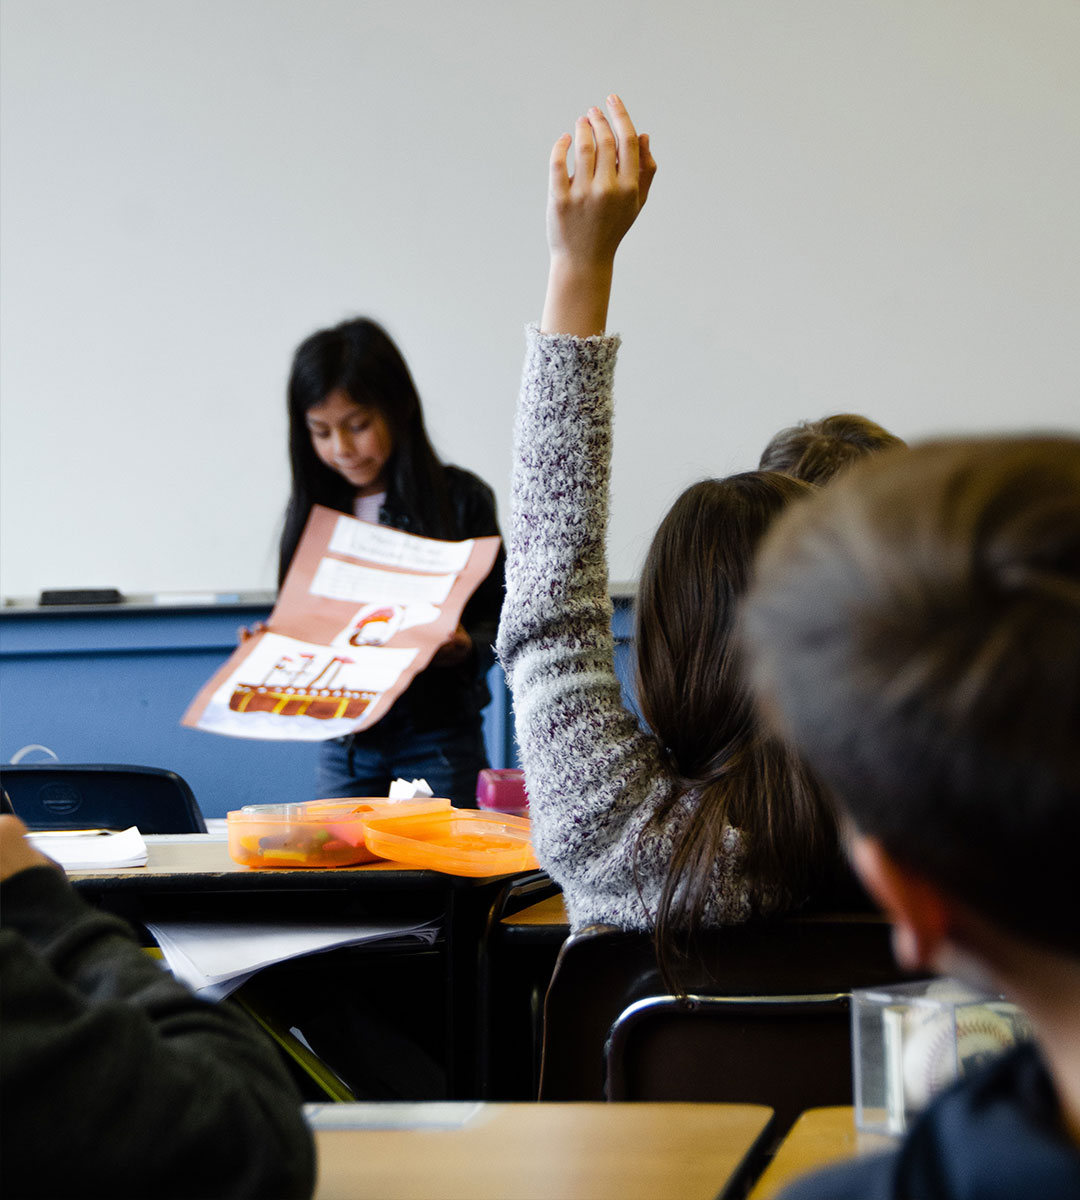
693, 697
359, 358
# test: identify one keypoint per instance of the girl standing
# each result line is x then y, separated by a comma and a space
357, 444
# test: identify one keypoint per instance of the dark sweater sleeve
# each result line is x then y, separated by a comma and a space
117, 1080
447, 695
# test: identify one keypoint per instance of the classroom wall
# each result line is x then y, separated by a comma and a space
861, 206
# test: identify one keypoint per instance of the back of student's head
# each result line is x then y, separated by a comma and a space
693, 696
817, 450
915, 629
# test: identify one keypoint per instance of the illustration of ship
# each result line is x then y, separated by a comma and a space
285, 692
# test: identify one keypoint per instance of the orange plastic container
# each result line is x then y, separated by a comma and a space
317, 833
457, 841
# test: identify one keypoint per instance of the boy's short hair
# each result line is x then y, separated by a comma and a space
817, 450
914, 629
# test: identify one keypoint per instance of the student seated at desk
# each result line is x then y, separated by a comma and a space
700, 819
818, 450
914, 629
116, 1080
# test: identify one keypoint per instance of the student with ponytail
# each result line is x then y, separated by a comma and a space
700, 818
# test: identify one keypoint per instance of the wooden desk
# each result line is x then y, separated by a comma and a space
548, 1152
548, 914
195, 877
196, 862
819, 1137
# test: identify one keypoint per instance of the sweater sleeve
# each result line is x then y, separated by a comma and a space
145, 1088
593, 775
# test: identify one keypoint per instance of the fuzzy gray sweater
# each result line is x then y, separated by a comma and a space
594, 777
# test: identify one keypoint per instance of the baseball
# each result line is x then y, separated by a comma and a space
930, 1060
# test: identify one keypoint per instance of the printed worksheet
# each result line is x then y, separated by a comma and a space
363, 609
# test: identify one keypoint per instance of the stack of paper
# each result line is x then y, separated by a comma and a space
214, 957
91, 849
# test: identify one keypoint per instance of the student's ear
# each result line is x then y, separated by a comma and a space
920, 913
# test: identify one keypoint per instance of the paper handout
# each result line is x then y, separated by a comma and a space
362, 610
91, 849
215, 957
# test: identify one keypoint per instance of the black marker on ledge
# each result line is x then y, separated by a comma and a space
79, 596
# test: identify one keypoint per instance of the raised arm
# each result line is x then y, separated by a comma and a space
16, 853
588, 214
593, 775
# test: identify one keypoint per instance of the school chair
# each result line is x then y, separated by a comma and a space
516, 962
101, 796
756, 1001
789, 1052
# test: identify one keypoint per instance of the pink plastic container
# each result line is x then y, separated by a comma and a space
502, 789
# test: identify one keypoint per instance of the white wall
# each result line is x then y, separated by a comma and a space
861, 205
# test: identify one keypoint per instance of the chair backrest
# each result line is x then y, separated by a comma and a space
789, 1052
602, 972
101, 795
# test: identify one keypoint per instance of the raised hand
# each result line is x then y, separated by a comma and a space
588, 214
591, 210
16, 853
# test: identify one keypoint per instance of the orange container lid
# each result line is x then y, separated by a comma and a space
456, 841
359, 807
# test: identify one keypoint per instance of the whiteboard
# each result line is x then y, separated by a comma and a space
860, 206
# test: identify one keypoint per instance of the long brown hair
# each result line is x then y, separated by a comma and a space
359, 358
693, 697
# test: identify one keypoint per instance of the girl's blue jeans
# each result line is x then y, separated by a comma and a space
365, 763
